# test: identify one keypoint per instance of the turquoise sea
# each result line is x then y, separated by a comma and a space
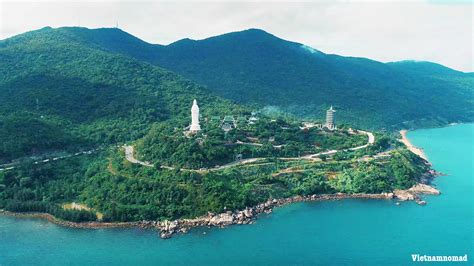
349, 232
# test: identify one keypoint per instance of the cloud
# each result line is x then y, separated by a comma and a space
438, 31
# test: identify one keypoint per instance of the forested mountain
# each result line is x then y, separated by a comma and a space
57, 92
254, 66
87, 87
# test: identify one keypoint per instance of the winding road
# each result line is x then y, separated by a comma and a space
130, 158
129, 150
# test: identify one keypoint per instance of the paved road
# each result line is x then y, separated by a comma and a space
257, 144
11, 166
369, 142
130, 158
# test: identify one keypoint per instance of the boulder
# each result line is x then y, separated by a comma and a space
421, 202
164, 224
248, 213
424, 189
165, 234
173, 225
403, 195
222, 219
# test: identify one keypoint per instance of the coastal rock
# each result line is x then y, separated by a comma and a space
414, 192
421, 202
165, 234
248, 213
222, 219
173, 225
424, 189
403, 195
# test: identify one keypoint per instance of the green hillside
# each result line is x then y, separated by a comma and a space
254, 66
57, 92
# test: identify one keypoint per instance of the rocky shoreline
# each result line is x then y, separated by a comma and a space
247, 216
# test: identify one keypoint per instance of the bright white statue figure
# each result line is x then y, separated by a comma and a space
195, 117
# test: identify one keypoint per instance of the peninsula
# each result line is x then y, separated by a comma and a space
225, 170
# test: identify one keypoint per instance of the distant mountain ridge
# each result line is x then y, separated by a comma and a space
253, 66
256, 67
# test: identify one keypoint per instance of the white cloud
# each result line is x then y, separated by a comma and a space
436, 30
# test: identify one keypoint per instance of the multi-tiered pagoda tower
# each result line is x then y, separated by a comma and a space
330, 118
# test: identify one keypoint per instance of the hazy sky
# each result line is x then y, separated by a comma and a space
439, 31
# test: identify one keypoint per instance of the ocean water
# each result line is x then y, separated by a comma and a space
349, 232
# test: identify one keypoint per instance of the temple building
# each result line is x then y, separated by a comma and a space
330, 119
228, 123
194, 127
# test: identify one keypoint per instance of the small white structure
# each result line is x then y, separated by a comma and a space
330, 118
253, 120
194, 127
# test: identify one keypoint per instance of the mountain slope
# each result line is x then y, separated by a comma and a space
89, 95
253, 66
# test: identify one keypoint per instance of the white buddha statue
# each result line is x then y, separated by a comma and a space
195, 117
